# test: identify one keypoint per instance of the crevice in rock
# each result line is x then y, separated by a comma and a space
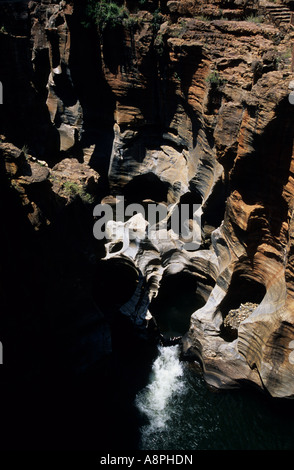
53, 38
214, 211
146, 186
115, 281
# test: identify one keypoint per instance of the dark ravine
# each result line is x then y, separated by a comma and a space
181, 102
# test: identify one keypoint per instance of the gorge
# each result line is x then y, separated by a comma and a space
160, 102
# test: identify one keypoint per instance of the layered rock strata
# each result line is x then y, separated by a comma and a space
186, 105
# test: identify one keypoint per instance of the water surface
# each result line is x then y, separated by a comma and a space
179, 412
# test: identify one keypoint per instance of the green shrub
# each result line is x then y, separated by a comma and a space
159, 44
254, 19
157, 20
72, 190
215, 80
105, 13
177, 76
131, 22
286, 55
202, 18
25, 149
178, 33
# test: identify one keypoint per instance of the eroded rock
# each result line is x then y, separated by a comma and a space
192, 108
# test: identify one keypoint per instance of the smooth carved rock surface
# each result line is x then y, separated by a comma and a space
225, 132
192, 110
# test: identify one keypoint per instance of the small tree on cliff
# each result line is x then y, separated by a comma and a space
105, 13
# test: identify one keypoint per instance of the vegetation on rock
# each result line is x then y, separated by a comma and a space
72, 189
215, 80
105, 14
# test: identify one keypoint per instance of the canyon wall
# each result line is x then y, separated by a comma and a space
177, 103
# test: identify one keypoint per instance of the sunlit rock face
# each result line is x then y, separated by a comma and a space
219, 143
187, 106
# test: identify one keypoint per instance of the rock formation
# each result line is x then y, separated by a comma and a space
177, 103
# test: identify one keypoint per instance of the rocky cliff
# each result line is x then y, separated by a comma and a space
171, 103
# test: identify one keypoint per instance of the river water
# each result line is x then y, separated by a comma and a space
179, 412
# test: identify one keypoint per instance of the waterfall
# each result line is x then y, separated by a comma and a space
155, 401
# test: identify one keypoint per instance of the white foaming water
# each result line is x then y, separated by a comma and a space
165, 382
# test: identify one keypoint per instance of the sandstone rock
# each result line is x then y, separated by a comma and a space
70, 178
247, 252
195, 109
64, 182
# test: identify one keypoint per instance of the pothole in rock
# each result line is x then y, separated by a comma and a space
146, 186
177, 299
115, 281
243, 296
